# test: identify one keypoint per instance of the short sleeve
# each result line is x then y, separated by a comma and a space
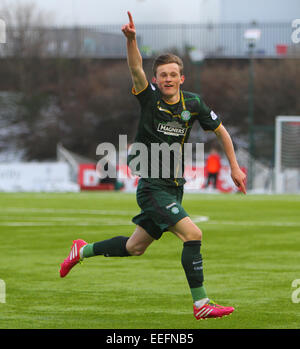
148, 94
208, 120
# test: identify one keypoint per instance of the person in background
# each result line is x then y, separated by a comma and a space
213, 167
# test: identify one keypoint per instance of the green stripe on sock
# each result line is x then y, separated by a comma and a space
198, 293
88, 251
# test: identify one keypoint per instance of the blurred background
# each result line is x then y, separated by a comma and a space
65, 86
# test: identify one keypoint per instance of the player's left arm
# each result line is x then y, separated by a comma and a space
134, 58
237, 175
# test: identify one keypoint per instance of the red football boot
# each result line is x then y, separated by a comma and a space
211, 310
73, 257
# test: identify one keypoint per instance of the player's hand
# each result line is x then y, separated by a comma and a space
129, 29
239, 179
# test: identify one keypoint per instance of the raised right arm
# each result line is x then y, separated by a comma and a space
134, 58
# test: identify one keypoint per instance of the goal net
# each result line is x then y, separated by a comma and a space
72, 159
287, 154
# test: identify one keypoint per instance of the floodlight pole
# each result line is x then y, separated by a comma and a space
199, 66
251, 35
251, 115
197, 57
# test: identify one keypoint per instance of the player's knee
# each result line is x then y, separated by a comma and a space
194, 234
136, 250
137, 253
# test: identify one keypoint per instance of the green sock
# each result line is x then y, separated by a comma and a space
88, 251
198, 293
191, 260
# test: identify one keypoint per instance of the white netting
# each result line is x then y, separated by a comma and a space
287, 154
72, 159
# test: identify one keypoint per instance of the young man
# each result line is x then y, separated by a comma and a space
163, 105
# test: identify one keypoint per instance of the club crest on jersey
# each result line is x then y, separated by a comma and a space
175, 210
173, 128
185, 115
213, 115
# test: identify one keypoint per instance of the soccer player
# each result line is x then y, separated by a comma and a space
167, 115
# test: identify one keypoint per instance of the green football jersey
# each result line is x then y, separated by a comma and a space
162, 124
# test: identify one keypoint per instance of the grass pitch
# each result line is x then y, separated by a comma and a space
250, 250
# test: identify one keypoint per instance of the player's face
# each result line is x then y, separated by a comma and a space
169, 79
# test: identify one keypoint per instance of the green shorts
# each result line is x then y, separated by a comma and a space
160, 207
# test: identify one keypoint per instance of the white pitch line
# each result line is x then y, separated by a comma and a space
76, 211
52, 221
204, 219
57, 219
256, 223
115, 222
55, 224
198, 219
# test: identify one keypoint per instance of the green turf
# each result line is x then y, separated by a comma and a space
250, 250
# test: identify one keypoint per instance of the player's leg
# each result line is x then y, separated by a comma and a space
215, 177
118, 246
188, 232
208, 180
191, 260
138, 242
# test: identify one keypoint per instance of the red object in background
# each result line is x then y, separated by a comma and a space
213, 163
281, 49
89, 180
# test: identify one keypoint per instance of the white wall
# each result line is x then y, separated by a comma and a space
36, 177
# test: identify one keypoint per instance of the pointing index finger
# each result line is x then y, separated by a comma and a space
243, 188
130, 17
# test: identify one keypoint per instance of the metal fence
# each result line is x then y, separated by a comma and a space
106, 41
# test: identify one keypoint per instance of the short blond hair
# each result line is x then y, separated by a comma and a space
166, 59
